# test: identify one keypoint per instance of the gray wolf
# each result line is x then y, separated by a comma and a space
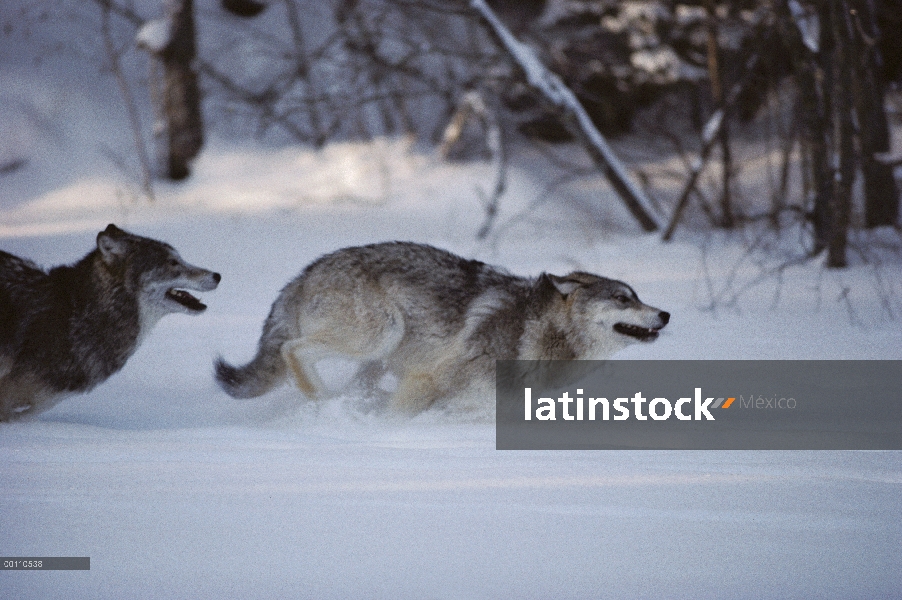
68, 329
437, 321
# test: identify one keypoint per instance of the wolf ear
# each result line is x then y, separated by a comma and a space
552, 284
564, 285
111, 243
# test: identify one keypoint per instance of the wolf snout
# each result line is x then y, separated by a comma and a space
208, 281
199, 280
648, 329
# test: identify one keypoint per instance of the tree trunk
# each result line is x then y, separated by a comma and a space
810, 72
181, 93
881, 194
844, 122
844, 79
715, 75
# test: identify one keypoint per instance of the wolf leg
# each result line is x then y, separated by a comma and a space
367, 340
25, 396
302, 364
416, 392
370, 375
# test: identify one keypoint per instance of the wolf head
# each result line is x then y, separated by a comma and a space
155, 271
606, 313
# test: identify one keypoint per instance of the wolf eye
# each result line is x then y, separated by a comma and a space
173, 262
622, 298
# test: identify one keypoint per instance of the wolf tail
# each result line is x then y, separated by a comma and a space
265, 371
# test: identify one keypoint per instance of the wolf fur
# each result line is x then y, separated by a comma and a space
68, 329
435, 320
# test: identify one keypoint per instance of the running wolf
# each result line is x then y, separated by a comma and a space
68, 329
435, 320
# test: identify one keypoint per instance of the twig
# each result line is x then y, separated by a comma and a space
542, 197
303, 71
709, 136
495, 143
129, 101
473, 106
885, 158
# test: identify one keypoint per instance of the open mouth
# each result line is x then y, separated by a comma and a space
185, 299
643, 334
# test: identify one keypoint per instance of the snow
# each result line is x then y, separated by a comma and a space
712, 127
154, 35
176, 490
808, 23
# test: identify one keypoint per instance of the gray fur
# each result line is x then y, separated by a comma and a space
66, 330
435, 320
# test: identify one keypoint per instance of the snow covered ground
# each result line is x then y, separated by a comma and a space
176, 490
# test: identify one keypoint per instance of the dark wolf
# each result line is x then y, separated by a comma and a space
437, 321
66, 330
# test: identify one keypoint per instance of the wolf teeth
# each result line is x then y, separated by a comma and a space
185, 299
635, 330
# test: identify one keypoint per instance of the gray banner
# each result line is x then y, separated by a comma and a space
45, 563
717, 405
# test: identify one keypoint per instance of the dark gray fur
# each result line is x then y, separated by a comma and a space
68, 329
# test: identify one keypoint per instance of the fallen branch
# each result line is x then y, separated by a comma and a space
554, 92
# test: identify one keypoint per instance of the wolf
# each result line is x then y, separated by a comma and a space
435, 320
66, 330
